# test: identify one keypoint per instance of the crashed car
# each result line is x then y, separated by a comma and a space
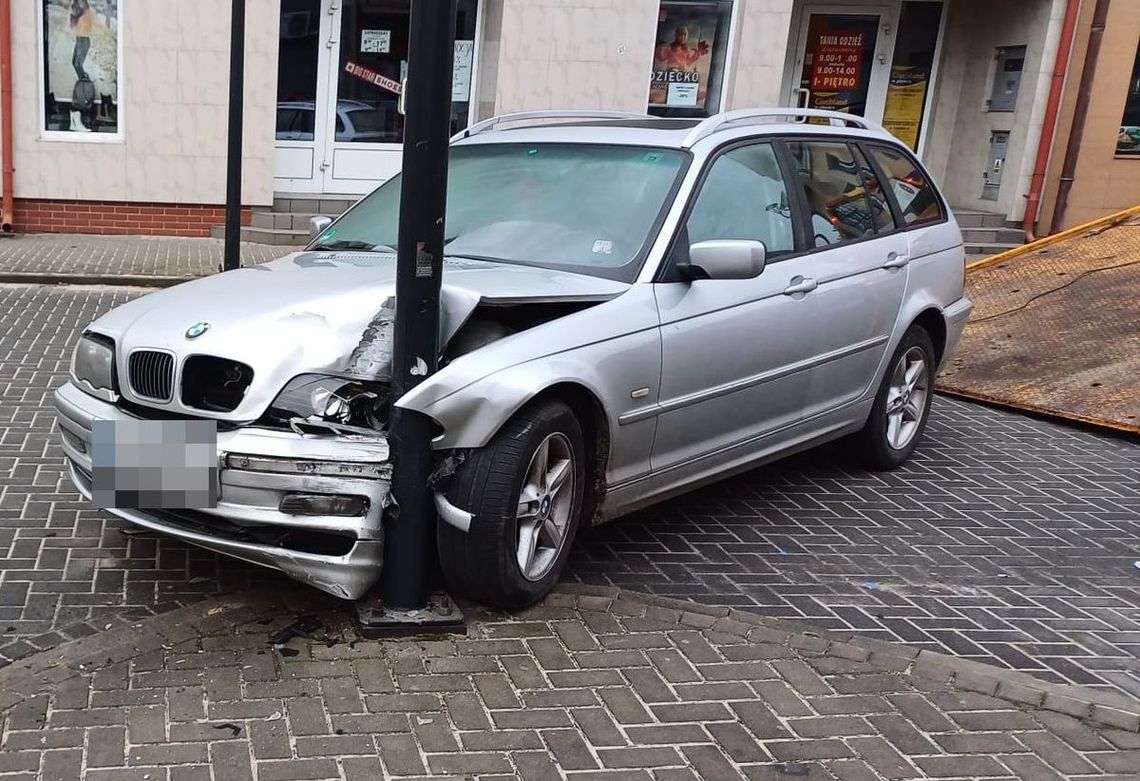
631, 307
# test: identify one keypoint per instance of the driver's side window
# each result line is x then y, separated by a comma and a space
744, 198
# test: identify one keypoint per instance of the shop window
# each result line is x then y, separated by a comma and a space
911, 70
689, 58
81, 67
1128, 142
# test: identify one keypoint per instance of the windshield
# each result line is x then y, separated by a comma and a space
584, 208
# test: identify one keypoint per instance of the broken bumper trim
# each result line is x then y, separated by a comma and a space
248, 508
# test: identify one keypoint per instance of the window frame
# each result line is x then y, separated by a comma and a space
669, 269
868, 146
69, 136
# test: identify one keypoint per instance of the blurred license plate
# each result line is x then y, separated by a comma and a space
154, 464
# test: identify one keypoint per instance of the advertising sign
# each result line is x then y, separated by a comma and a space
372, 77
837, 62
906, 96
461, 73
682, 58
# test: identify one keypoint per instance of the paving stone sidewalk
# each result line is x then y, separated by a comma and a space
48, 255
582, 686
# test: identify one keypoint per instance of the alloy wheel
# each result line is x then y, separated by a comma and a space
545, 504
906, 398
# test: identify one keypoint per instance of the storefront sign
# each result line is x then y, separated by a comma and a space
372, 77
837, 62
906, 96
682, 59
461, 73
375, 41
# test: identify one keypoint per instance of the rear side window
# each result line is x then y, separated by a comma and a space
914, 195
880, 207
835, 190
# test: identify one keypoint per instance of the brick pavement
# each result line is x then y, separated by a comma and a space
586, 687
61, 255
1006, 540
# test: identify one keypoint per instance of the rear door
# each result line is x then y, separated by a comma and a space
735, 353
861, 262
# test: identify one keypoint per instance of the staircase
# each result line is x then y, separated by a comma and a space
988, 234
286, 223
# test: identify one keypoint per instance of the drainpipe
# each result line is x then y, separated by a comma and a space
1049, 128
9, 171
1080, 114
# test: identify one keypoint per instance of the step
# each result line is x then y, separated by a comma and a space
976, 219
281, 220
329, 206
990, 248
275, 237
993, 235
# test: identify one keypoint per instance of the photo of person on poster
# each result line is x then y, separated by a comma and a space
682, 56
81, 65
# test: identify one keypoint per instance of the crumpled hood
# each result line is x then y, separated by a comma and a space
317, 312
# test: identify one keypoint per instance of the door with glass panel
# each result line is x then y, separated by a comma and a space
340, 74
842, 59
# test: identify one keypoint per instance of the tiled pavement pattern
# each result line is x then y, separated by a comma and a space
623, 691
109, 256
1006, 540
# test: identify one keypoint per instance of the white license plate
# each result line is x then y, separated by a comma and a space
154, 464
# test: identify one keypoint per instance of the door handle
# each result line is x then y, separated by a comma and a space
895, 260
800, 285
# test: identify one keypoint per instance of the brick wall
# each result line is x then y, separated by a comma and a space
119, 218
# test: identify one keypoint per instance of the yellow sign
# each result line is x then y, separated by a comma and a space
906, 97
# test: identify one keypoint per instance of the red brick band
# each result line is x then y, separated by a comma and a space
119, 217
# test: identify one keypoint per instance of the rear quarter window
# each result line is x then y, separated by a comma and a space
915, 196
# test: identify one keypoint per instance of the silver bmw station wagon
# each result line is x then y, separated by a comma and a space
631, 307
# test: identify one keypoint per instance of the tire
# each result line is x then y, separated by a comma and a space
881, 444
486, 563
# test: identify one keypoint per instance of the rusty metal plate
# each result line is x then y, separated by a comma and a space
1057, 330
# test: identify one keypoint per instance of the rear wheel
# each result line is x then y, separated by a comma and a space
524, 491
901, 407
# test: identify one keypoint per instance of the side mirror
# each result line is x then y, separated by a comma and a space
733, 259
318, 225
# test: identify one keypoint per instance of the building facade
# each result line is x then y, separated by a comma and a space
119, 110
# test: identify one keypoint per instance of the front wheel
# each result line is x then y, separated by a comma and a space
524, 491
902, 405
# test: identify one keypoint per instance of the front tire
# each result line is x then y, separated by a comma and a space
902, 405
525, 492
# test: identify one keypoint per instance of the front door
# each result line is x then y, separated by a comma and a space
341, 67
843, 60
736, 354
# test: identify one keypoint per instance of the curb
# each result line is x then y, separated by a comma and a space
1111, 710
114, 280
47, 670
1056, 238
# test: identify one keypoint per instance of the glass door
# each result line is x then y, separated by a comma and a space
366, 130
341, 67
300, 97
842, 60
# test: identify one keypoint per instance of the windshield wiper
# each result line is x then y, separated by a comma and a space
346, 244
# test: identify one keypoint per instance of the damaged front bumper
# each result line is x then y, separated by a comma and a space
258, 469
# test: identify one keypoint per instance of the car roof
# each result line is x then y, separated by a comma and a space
640, 130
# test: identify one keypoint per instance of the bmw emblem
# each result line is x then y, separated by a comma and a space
196, 330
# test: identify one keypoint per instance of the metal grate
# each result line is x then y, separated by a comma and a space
152, 374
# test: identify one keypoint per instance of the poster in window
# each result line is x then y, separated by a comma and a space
906, 96
682, 58
81, 65
837, 62
1128, 142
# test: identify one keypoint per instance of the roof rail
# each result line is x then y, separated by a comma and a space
523, 116
717, 122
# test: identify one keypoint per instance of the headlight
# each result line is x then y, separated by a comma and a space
93, 362
332, 399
